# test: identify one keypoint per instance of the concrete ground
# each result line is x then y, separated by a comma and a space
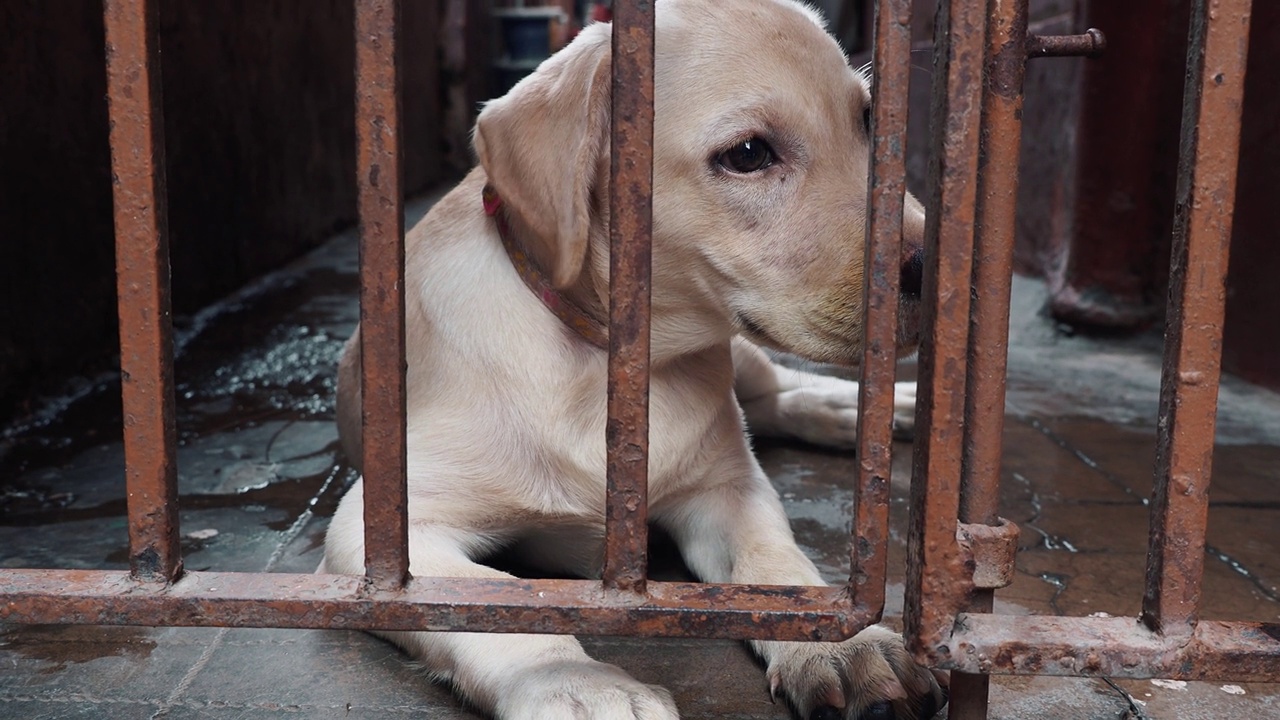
260, 474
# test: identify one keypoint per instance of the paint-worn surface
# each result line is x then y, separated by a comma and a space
260, 474
936, 564
1204, 207
380, 179
630, 272
891, 64
142, 271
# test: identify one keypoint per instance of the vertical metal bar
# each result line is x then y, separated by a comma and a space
887, 186
142, 277
1001, 136
380, 178
630, 235
935, 576
1216, 56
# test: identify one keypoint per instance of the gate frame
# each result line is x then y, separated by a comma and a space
947, 628
958, 551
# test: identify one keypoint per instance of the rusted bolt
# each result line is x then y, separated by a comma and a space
1091, 44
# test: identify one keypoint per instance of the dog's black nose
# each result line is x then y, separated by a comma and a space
912, 274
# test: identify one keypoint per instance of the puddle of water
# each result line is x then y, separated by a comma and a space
269, 352
292, 495
64, 645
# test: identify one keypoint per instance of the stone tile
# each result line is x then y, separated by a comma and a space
105, 666
1165, 700
707, 678
74, 707
313, 670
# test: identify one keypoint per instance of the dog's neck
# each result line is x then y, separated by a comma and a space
575, 315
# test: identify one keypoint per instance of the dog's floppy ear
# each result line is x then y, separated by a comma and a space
541, 143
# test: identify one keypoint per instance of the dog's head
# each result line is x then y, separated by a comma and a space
761, 154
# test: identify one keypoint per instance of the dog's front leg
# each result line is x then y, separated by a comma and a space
779, 401
737, 532
510, 676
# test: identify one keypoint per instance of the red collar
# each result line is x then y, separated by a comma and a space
573, 316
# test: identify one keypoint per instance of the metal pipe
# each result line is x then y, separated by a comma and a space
380, 179
993, 242
886, 188
142, 286
1217, 52
935, 566
630, 269
1090, 44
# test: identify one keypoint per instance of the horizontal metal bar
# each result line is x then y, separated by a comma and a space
1115, 647
282, 600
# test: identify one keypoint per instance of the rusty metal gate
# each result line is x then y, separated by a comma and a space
959, 551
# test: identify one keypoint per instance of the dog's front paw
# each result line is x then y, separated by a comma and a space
868, 677
824, 411
583, 690
820, 410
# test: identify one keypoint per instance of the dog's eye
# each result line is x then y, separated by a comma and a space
749, 156
866, 119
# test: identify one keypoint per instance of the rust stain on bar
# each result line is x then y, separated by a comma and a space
464, 604
142, 282
1000, 142
936, 578
1114, 647
887, 186
380, 178
1001, 135
1216, 55
630, 268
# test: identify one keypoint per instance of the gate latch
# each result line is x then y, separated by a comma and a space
990, 550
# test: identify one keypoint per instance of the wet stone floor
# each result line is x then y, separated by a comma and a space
260, 474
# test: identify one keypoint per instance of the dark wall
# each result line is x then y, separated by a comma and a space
56, 286
259, 106
1252, 344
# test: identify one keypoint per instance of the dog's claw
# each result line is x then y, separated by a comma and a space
870, 677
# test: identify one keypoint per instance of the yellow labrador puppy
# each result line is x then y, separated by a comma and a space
760, 174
